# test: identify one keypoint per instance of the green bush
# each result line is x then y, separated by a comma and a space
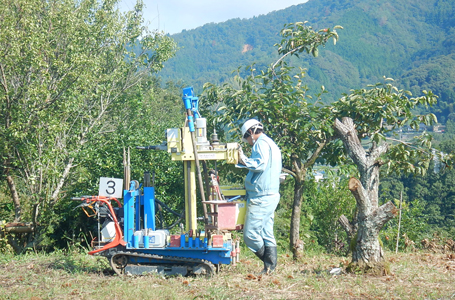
413, 227
324, 202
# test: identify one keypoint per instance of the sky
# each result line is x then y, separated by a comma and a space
172, 16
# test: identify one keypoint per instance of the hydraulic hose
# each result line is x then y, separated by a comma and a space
168, 208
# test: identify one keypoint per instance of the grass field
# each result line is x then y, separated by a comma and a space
75, 275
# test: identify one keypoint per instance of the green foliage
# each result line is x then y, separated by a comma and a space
298, 37
5, 247
280, 104
6, 206
278, 97
67, 71
283, 215
325, 202
76, 90
280, 100
414, 227
428, 204
144, 124
436, 73
436, 193
383, 105
307, 236
412, 42
381, 108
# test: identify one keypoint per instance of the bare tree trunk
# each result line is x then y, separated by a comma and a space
299, 172
367, 252
295, 242
62, 180
15, 197
350, 228
367, 249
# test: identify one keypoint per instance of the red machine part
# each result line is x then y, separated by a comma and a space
216, 187
118, 239
217, 241
175, 241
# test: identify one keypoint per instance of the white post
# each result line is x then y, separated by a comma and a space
399, 222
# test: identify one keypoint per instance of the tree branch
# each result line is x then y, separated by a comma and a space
376, 152
8, 100
344, 222
383, 214
410, 145
296, 166
348, 135
361, 197
290, 52
315, 155
65, 174
287, 171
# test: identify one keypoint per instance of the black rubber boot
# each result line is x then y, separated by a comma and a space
260, 253
270, 260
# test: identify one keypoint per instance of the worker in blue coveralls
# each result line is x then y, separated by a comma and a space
262, 187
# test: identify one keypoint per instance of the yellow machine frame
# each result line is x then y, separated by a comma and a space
179, 144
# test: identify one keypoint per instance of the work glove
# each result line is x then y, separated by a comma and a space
242, 157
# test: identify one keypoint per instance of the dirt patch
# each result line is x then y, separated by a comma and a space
247, 48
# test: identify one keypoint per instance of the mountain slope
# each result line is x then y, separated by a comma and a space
380, 38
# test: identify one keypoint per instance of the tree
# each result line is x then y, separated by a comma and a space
152, 109
370, 113
278, 97
64, 71
431, 198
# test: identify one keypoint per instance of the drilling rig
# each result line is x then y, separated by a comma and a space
127, 234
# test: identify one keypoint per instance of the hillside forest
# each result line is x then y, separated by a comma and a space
81, 82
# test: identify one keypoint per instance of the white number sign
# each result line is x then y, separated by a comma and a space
111, 187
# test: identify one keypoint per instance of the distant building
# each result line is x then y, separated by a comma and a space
388, 127
318, 175
439, 128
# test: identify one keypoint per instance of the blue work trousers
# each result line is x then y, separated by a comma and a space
258, 230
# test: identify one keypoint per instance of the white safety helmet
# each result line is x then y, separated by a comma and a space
250, 124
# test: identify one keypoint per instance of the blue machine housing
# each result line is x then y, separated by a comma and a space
140, 209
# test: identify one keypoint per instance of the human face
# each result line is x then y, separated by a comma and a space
249, 139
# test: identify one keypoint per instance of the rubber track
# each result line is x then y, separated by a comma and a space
183, 260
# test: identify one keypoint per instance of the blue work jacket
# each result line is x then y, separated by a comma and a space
264, 167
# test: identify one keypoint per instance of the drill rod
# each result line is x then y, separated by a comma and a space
198, 170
